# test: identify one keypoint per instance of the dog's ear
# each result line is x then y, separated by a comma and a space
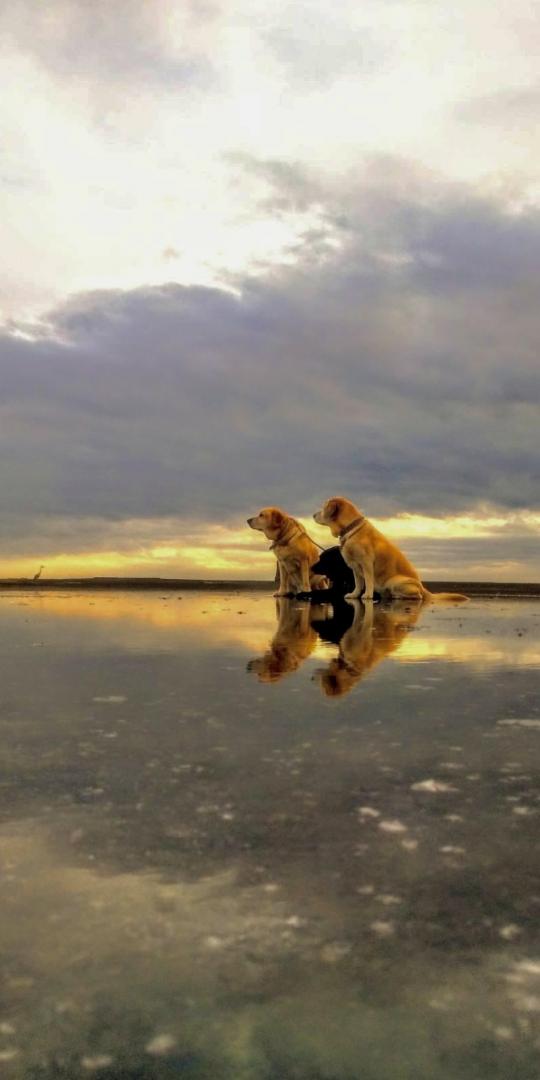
331, 509
276, 519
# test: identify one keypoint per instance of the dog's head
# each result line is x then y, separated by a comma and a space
336, 514
275, 663
270, 521
336, 679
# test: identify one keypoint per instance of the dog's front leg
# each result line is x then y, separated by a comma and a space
282, 588
305, 585
359, 583
369, 580
288, 581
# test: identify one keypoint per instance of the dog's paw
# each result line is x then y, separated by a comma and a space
319, 582
352, 596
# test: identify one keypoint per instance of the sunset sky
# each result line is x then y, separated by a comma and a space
267, 252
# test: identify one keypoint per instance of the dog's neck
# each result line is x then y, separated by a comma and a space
353, 527
286, 536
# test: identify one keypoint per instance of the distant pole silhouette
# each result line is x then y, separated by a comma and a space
38, 575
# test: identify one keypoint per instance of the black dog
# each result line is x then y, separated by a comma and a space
332, 563
333, 628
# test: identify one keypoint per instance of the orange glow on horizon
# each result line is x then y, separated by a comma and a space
248, 622
218, 551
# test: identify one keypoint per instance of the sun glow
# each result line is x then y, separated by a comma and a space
457, 526
232, 552
248, 622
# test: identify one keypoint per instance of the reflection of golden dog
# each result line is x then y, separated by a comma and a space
374, 634
293, 641
377, 564
294, 550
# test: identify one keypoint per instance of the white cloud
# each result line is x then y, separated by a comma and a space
121, 124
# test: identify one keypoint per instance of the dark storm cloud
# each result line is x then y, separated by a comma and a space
403, 370
514, 556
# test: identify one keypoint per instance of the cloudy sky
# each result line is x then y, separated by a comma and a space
266, 252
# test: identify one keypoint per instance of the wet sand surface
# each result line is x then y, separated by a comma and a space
255, 844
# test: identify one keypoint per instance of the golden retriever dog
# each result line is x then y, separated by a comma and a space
294, 550
377, 564
375, 633
293, 641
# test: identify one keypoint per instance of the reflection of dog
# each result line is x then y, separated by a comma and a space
294, 550
293, 641
332, 564
376, 562
336, 618
374, 634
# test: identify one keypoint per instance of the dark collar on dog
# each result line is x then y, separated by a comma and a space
282, 541
354, 526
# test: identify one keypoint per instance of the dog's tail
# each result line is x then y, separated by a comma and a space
443, 597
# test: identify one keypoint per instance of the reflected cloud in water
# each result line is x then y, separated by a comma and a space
332, 875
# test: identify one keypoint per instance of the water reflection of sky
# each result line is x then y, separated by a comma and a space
243, 842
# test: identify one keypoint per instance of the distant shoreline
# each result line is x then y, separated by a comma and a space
488, 589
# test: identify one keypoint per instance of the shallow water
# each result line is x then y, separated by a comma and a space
241, 847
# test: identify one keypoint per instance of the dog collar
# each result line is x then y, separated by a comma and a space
285, 539
354, 526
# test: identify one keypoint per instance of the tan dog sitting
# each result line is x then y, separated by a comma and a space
294, 550
377, 564
292, 643
375, 633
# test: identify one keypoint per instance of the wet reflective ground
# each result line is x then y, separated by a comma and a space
255, 845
